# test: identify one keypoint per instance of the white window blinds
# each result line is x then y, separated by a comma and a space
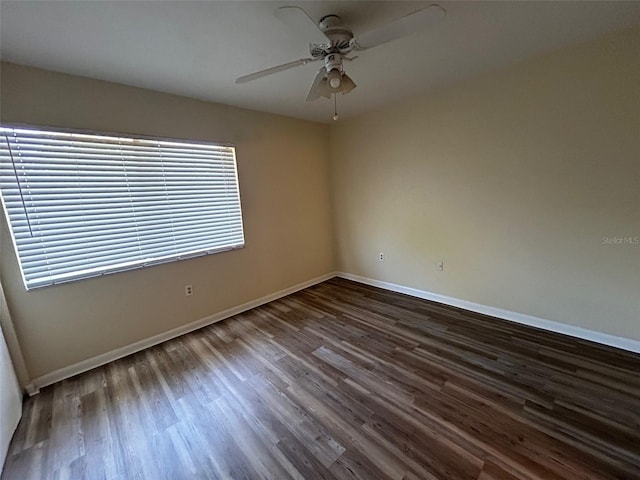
82, 205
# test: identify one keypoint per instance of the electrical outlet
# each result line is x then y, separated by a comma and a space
381, 256
441, 265
188, 290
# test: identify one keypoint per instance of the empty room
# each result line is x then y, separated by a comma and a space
352, 240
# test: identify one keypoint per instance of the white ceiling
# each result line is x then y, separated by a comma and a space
197, 49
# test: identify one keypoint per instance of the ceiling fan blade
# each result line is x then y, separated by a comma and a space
276, 69
301, 24
401, 27
319, 87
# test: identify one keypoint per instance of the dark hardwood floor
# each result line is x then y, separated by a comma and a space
343, 381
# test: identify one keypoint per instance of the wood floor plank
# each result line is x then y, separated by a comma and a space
343, 381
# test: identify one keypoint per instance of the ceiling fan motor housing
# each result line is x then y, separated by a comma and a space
340, 37
334, 69
333, 61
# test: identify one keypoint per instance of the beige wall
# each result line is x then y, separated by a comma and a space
284, 185
512, 179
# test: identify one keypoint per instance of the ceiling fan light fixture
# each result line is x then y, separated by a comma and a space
334, 77
319, 87
347, 84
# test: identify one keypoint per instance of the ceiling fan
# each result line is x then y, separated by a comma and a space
332, 42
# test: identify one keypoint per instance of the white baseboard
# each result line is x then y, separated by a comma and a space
36, 384
31, 389
66, 372
573, 331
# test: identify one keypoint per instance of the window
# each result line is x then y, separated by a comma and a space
81, 205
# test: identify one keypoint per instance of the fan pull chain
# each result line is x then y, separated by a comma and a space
335, 106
